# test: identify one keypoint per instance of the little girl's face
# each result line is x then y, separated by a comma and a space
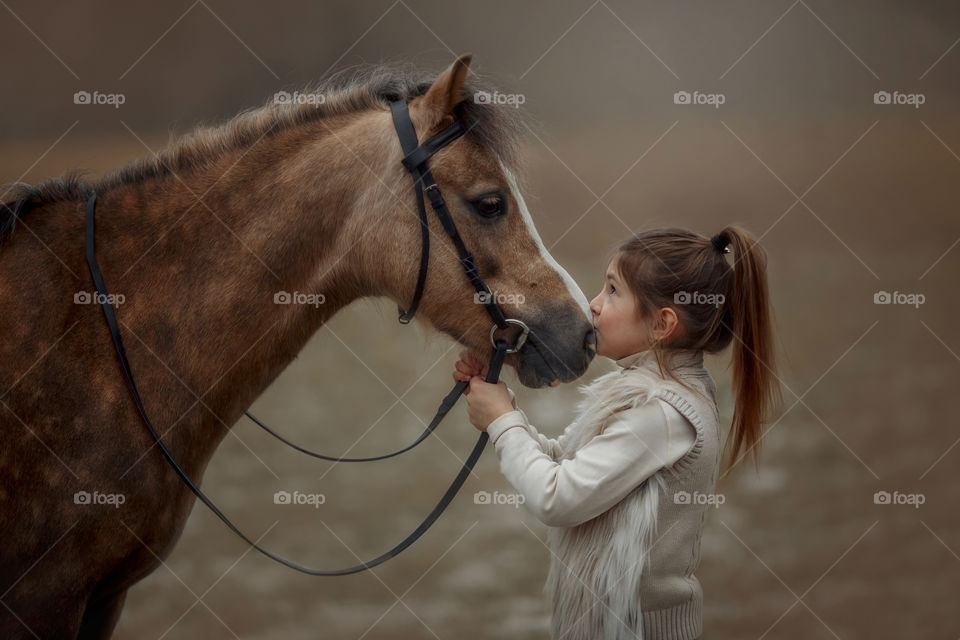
619, 330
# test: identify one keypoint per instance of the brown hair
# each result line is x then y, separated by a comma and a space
715, 303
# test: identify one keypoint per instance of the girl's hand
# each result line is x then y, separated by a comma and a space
467, 366
486, 402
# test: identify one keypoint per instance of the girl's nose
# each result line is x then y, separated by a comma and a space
595, 306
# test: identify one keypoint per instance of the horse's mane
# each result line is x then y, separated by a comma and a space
351, 91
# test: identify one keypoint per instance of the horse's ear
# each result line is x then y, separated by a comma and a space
443, 96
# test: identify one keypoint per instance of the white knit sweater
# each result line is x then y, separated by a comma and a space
599, 486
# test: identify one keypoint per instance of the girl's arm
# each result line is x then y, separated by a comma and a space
637, 444
553, 447
468, 366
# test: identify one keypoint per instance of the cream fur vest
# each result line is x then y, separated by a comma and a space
628, 573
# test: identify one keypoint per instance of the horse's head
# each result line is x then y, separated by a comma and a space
485, 202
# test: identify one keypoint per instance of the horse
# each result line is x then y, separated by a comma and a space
217, 250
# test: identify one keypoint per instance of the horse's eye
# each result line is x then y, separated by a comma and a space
490, 206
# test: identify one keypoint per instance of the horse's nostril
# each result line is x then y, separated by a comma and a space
590, 340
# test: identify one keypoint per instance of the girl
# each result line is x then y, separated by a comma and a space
626, 488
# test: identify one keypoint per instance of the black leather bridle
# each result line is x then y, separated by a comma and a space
415, 160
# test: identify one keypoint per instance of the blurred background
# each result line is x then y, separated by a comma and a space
828, 129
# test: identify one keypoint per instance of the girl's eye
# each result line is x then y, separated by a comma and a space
612, 290
490, 207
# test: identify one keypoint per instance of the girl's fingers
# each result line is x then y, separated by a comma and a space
470, 368
463, 375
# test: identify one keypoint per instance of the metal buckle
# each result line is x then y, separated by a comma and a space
525, 330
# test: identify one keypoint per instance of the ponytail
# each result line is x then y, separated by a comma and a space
756, 387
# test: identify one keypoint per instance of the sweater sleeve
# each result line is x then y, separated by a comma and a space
634, 446
553, 447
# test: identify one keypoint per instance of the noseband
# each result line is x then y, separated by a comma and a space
415, 160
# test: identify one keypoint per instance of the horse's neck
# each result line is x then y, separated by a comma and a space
229, 269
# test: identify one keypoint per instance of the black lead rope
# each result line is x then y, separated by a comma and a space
415, 160
493, 374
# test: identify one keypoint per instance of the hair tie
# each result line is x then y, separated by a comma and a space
720, 244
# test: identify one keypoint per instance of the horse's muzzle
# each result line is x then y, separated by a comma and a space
555, 352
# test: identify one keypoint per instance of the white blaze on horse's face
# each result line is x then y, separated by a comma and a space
556, 324
575, 292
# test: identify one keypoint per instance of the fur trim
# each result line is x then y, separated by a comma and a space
596, 566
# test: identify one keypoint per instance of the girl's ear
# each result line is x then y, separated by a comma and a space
667, 323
